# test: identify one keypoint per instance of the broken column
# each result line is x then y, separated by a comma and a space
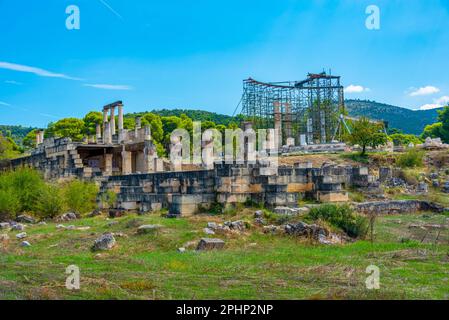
108, 164
98, 132
288, 125
278, 122
138, 126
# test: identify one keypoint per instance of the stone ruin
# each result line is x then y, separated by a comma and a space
113, 150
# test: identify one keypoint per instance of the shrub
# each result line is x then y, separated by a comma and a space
342, 217
9, 204
51, 202
26, 184
81, 196
109, 198
411, 159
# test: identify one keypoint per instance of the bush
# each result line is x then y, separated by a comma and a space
51, 202
411, 159
9, 204
80, 196
342, 217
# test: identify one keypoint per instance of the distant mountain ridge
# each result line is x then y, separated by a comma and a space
409, 121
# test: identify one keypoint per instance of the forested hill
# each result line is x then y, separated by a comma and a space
196, 115
16, 132
407, 120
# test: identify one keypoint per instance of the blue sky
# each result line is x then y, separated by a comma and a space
195, 54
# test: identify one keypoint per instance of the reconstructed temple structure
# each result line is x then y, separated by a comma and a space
113, 150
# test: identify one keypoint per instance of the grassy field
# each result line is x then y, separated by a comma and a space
253, 265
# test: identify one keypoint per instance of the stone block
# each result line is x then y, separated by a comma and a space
210, 244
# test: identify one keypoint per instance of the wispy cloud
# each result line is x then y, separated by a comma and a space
37, 71
424, 91
13, 82
437, 103
29, 111
109, 86
356, 89
111, 9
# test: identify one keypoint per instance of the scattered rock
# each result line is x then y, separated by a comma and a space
272, 229
116, 213
208, 231
396, 182
181, 250
5, 225
304, 229
4, 237
435, 183
210, 244
260, 221
68, 216
60, 226
445, 187
21, 235
258, 214
42, 223
433, 176
422, 187
25, 244
18, 227
290, 211
148, 228
26, 219
71, 227
212, 225
104, 242
83, 228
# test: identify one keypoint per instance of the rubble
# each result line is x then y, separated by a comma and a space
210, 244
21, 235
149, 229
67, 216
25, 219
104, 242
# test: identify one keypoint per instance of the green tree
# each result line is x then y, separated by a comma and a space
439, 129
155, 122
29, 141
67, 128
8, 148
91, 120
366, 133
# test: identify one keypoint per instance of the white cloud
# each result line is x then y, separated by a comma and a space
13, 82
356, 89
34, 70
423, 91
4, 104
109, 86
437, 103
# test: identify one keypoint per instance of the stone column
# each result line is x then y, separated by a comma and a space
107, 138
105, 116
98, 132
278, 123
120, 117
107, 164
38, 138
138, 126
112, 120
147, 134
126, 161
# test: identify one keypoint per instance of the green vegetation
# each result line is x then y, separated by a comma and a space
439, 129
400, 139
8, 148
412, 158
25, 191
341, 217
366, 133
17, 133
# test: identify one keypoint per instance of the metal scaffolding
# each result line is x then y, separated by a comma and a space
307, 110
